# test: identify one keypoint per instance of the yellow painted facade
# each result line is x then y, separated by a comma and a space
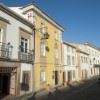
47, 63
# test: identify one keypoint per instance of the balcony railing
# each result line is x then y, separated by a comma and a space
26, 55
5, 50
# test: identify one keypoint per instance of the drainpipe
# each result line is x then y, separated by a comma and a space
33, 75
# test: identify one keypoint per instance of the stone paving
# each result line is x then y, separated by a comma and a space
87, 90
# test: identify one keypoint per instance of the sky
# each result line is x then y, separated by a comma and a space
80, 18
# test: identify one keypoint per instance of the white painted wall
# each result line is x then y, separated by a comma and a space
70, 67
26, 67
12, 33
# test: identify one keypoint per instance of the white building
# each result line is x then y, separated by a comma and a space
93, 58
82, 65
16, 53
69, 62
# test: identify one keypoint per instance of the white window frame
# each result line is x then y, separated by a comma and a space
42, 49
42, 28
56, 53
68, 60
24, 43
42, 76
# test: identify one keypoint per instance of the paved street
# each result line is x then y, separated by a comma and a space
88, 90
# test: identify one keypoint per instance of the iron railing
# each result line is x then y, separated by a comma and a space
26, 55
5, 50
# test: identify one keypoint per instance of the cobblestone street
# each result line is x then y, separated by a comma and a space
88, 90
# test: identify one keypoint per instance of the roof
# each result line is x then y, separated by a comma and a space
69, 44
78, 50
15, 15
44, 13
91, 45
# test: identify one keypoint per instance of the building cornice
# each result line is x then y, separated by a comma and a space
78, 50
66, 43
4, 20
93, 46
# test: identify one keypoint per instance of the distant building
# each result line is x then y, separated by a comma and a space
93, 58
69, 60
82, 64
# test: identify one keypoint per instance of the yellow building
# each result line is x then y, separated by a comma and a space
48, 39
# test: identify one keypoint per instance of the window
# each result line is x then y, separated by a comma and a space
42, 49
1, 34
68, 49
73, 60
31, 17
68, 60
82, 59
42, 28
42, 76
25, 81
56, 53
55, 36
24, 45
25, 77
73, 73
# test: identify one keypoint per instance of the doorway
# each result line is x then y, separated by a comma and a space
64, 77
4, 83
69, 76
56, 77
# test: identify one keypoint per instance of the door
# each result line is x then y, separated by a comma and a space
69, 76
4, 83
64, 77
56, 77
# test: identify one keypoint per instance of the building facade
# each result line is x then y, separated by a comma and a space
82, 65
69, 62
94, 59
16, 53
91, 59
48, 39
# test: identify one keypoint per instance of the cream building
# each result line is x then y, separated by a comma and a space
93, 58
16, 53
82, 65
69, 61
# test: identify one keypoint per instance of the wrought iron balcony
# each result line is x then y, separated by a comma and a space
5, 50
45, 36
26, 55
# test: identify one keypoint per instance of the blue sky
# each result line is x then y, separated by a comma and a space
80, 18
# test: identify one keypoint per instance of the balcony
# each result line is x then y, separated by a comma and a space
26, 55
5, 50
45, 36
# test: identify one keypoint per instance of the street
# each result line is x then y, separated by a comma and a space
88, 90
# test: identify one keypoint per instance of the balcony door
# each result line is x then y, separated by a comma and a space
24, 45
